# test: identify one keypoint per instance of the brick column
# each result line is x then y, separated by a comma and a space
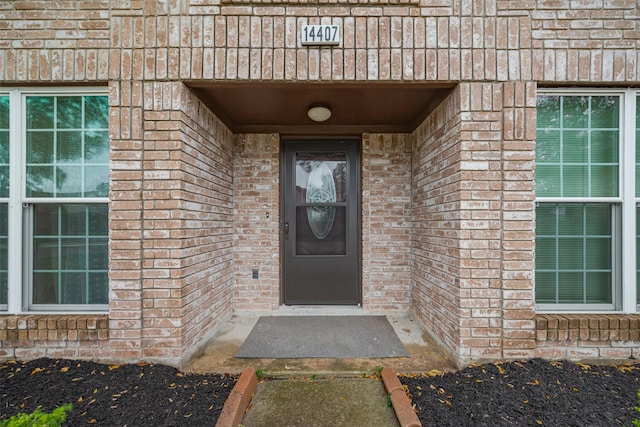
435, 245
187, 266
480, 290
518, 219
473, 213
125, 222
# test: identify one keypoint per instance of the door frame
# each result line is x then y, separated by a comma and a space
357, 140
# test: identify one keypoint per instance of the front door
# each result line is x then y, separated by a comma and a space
321, 187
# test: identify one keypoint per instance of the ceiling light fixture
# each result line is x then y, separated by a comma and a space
319, 112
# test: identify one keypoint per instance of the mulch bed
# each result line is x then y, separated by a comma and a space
530, 393
113, 395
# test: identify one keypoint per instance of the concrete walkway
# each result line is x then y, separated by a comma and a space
315, 391
375, 401
332, 402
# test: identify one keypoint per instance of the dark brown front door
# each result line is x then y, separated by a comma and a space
321, 187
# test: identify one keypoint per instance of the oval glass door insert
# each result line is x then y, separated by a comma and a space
321, 189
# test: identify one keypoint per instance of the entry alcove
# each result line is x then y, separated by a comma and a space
270, 107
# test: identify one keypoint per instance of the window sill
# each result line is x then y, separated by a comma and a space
587, 327
315, 3
54, 327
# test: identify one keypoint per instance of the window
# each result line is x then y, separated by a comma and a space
582, 196
61, 205
637, 181
4, 195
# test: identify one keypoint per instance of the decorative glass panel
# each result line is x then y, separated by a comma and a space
577, 146
574, 259
64, 133
320, 198
322, 166
308, 243
321, 189
70, 254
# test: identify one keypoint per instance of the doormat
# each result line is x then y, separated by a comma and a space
341, 337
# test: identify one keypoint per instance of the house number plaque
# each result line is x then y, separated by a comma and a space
320, 35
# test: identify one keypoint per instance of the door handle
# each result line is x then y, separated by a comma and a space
286, 230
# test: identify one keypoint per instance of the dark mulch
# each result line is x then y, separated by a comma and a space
530, 393
113, 395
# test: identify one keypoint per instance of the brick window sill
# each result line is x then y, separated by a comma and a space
323, 2
50, 327
587, 327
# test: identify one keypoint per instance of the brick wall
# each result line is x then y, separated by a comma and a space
545, 41
474, 221
584, 41
171, 221
386, 222
43, 41
188, 214
189, 227
435, 248
256, 230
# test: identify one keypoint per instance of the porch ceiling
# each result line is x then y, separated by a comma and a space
356, 107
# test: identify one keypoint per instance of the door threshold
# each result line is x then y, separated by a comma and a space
321, 310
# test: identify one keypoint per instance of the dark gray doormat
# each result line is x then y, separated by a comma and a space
341, 337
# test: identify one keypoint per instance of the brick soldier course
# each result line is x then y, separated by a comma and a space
448, 209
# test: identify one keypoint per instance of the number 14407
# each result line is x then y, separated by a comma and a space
320, 35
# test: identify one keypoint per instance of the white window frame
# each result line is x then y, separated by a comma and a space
19, 261
623, 240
